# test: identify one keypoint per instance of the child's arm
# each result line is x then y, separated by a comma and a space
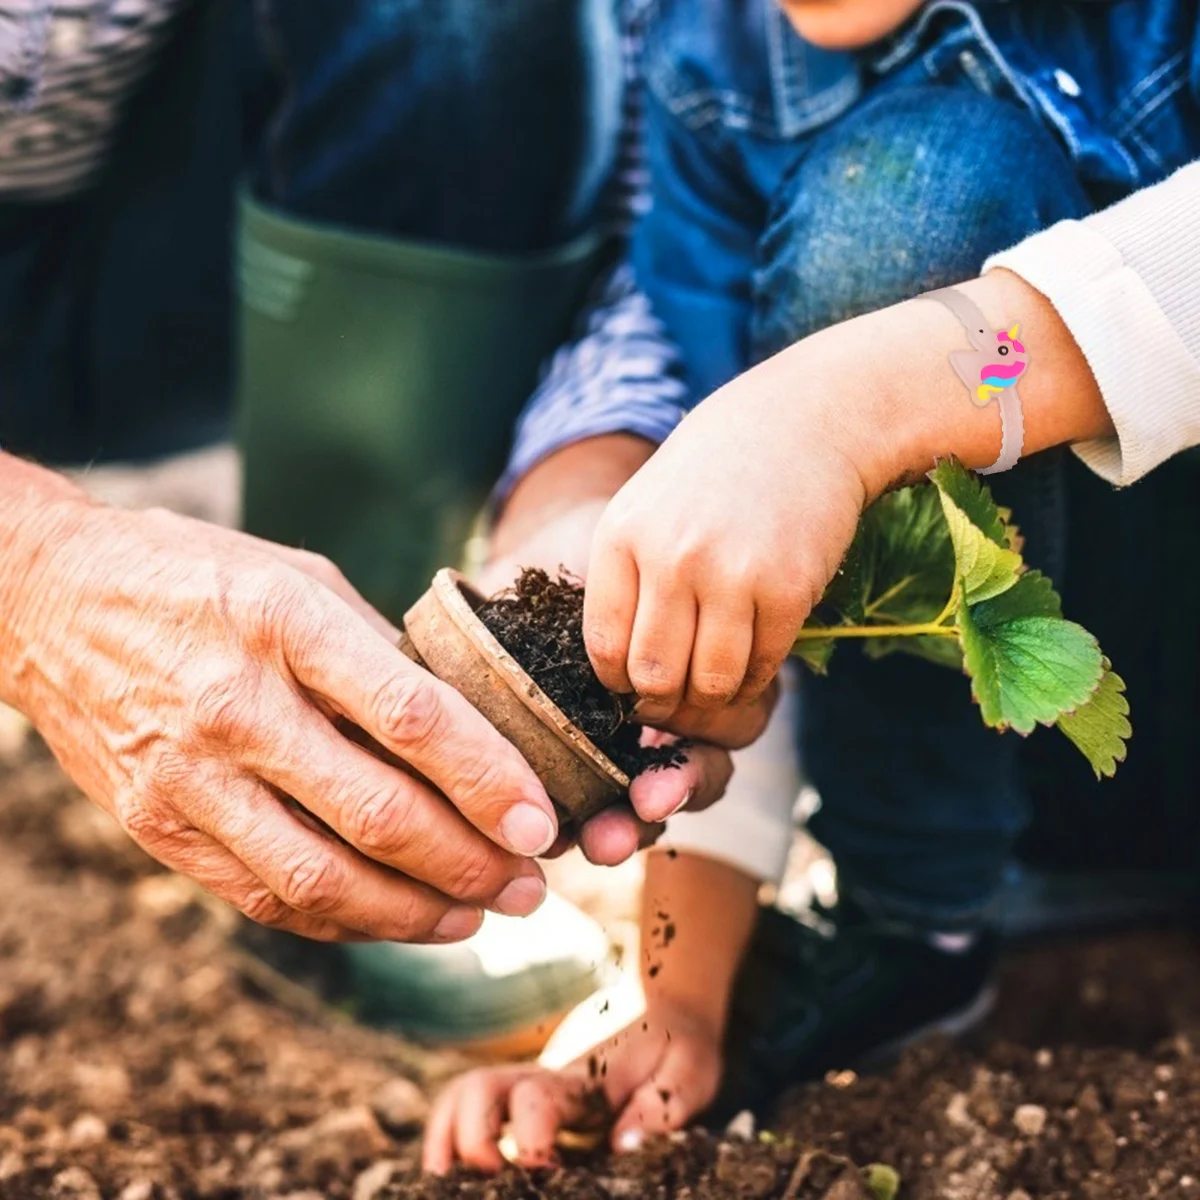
709, 560
707, 563
657, 1072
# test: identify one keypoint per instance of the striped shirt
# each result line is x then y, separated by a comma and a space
66, 67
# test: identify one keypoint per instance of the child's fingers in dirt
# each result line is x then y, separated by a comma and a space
775, 628
609, 606
539, 1106
683, 1085
467, 1118
693, 785
721, 652
660, 645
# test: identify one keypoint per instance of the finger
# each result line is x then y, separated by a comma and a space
695, 784
200, 857
480, 1113
612, 836
325, 879
437, 1148
393, 818
683, 1085
610, 603
775, 627
660, 647
538, 1107
721, 651
423, 721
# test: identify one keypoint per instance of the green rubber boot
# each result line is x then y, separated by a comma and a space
379, 383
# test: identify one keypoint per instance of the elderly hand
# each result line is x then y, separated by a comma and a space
189, 678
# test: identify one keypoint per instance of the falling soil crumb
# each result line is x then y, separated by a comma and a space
539, 621
142, 1059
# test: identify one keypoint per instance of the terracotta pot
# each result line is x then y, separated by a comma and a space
444, 635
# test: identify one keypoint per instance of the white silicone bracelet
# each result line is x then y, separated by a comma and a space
985, 341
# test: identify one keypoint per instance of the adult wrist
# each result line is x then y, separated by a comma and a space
40, 511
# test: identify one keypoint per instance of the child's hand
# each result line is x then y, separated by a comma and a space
656, 1074
709, 559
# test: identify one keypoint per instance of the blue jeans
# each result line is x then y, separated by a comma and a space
922, 804
487, 126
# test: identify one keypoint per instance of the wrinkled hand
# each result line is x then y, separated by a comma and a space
655, 1075
710, 558
189, 679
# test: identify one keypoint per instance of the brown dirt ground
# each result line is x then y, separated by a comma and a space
141, 1058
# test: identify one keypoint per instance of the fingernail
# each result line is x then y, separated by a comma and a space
459, 923
651, 710
527, 830
631, 1139
688, 797
521, 897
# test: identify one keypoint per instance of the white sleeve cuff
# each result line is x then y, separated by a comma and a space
750, 828
1127, 313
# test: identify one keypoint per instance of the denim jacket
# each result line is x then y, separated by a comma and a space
733, 91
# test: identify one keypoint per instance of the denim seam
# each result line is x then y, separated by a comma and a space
1157, 101
1176, 60
1148, 150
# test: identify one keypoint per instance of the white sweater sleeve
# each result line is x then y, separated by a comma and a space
751, 826
1126, 282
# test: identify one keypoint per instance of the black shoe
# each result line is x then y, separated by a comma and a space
842, 992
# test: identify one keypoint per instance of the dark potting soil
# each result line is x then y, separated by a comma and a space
141, 1059
539, 621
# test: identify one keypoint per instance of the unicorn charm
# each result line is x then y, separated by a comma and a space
990, 371
995, 365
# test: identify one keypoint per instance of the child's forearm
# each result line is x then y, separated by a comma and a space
900, 405
697, 917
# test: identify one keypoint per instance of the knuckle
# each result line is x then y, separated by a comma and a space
380, 822
312, 883
222, 710
483, 779
263, 907
471, 877
410, 712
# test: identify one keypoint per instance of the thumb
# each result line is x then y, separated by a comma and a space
684, 1084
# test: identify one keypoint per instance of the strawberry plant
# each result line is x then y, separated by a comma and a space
936, 571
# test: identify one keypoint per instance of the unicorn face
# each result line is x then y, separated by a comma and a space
997, 365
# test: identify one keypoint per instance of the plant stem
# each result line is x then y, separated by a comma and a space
891, 593
924, 629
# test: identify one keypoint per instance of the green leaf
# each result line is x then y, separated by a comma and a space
883, 1182
985, 563
1027, 665
814, 652
974, 498
900, 567
1100, 727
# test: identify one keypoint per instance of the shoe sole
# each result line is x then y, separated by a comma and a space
953, 1025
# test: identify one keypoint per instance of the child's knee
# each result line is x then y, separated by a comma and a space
913, 191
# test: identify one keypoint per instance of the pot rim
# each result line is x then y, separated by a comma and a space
452, 589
